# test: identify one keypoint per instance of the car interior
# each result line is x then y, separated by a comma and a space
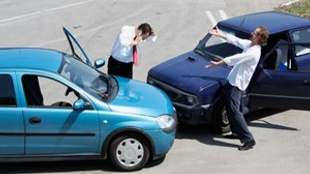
36, 90
7, 93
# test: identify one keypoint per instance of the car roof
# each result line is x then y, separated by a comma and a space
274, 21
31, 58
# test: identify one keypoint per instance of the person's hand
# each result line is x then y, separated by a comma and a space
137, 39
208, 66
153, 31
212, 64
217, 32
214, 31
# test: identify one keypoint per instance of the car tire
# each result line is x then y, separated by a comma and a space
129, 152
220, 123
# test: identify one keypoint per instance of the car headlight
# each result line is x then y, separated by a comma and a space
190, 99
150, 81
166, 123
187, 99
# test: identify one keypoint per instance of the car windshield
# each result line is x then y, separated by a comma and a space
216, 48
86, 77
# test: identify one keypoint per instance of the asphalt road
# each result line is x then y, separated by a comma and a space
283, 139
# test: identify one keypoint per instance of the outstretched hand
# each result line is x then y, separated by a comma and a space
214, 31
217, 32
213, 63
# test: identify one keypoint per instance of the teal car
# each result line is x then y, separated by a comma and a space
57, 106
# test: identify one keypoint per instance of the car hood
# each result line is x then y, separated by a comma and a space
139, 98
187, 72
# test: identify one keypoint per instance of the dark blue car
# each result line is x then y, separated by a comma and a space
281, 80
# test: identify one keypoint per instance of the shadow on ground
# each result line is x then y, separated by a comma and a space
59, 166
204, 134
64, 166
201, 133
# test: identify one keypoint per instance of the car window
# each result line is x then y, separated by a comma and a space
278, 59
7, 94
216, 45
217, 48
45, 92
301, 36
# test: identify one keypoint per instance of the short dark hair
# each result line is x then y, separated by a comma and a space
145, 28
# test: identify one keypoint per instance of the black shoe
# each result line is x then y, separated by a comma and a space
232, 136
247, 145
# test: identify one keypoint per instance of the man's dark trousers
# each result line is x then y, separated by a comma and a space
236, 119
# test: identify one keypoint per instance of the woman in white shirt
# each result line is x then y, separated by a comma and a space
244, 65
124, 51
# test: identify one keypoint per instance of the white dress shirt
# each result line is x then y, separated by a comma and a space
122, 48
244, 64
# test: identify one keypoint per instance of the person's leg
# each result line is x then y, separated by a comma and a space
113, 66
236, 118
128, 70
230, 113
118, 68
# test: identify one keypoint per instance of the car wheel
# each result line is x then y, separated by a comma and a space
220, 123
129, 152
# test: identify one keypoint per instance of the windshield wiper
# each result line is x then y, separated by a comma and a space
199, 51
213, 56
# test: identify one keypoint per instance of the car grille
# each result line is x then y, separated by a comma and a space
177, 96
172, 95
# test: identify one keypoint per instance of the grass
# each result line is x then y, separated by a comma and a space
301, 8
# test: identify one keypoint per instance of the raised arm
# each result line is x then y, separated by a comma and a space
217, 32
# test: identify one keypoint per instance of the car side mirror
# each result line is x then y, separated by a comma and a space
79, 105
99, 63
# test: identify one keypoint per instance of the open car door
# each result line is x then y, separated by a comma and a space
77, 50
280, 83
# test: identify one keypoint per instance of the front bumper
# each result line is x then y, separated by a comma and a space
197, 115
193, 114
162, 142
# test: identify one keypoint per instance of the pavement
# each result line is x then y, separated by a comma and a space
282, 136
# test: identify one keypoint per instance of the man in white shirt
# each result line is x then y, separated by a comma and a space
124, 51
244, 65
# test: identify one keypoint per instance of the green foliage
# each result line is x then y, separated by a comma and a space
301, 8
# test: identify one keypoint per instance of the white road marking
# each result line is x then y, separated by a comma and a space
42, 11
20, 17
213, 20
211, 17
223, 14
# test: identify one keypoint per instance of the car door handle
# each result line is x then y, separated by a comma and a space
307, 81
35, 120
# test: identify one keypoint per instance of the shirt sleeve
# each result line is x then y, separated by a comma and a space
150, 39
124, 37
238, 58
241, 43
